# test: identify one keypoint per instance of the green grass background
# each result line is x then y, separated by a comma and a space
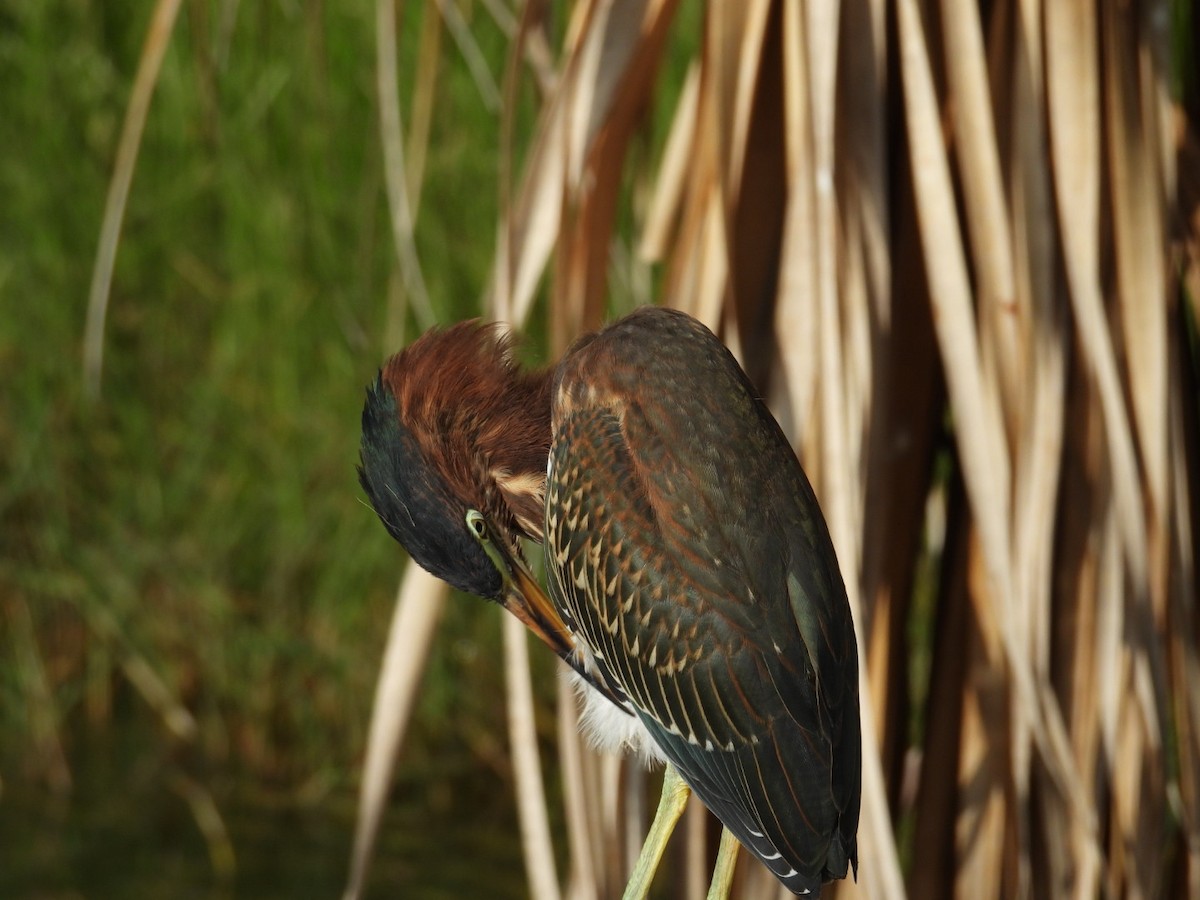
203, 517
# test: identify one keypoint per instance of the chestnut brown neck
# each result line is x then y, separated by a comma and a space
479, 420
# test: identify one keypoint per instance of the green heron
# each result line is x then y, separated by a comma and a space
692, 580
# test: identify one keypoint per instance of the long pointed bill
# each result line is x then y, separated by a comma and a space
522, 596
525, 599
520, 593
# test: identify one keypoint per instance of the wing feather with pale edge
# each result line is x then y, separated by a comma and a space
708, 588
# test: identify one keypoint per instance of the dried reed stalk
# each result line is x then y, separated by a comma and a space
158, 38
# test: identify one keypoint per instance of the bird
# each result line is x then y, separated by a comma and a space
693, 586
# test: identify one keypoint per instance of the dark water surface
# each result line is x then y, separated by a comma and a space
124, 831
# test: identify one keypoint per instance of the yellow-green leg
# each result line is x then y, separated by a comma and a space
674, 798
722, 880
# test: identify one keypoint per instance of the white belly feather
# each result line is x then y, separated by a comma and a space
606, 727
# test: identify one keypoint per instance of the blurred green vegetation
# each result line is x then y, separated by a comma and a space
207, 504
201, 522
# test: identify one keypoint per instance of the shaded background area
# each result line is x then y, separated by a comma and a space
925, 226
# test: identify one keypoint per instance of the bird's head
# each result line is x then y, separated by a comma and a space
455, 439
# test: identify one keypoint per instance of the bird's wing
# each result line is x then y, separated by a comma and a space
687, 550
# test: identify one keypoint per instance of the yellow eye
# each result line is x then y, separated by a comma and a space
477, 524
